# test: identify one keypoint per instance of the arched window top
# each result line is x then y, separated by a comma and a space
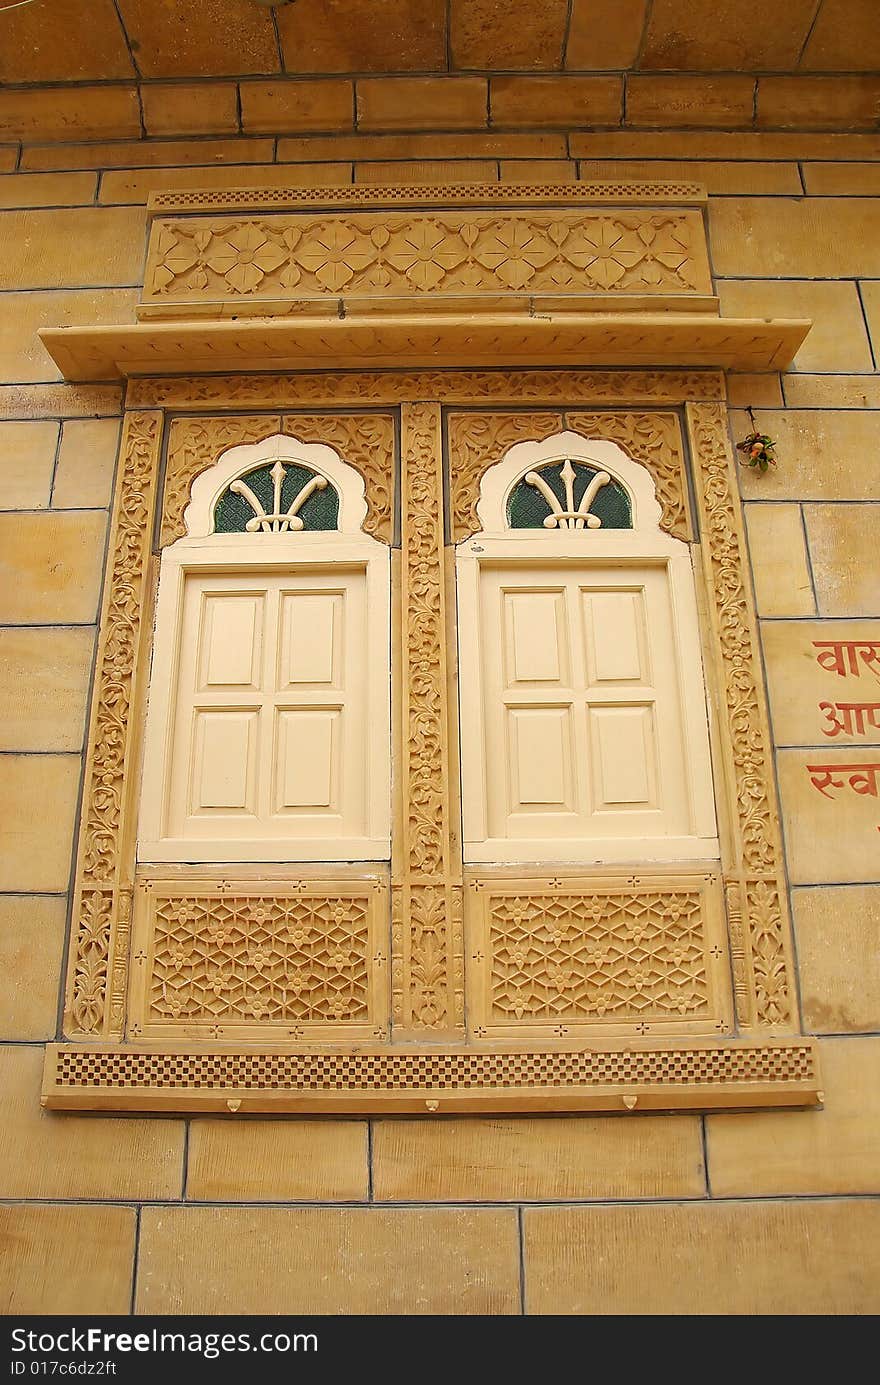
277, 486
567, 483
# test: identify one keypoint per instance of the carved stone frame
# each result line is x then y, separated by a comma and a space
769, 1064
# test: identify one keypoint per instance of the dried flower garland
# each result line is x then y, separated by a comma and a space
759, 448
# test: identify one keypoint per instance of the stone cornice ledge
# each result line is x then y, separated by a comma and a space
424, 340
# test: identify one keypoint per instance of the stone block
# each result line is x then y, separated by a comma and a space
507, 34
717, 177
800, 686
831, 819
144, 154
47, 189
65, 50
135, 185
190, 39
837, 339
704, 1259
86, 461
406, 103
55, 1155
50, 567
66, 1261
27, 460
844, 38
70, 113
564, 101
838, 959
476, 145
818, 103
604, 34
832, 391
758, 391
277, 1161
23, 357
359, 36
741, 37
686, 100
721, 144
821, 454
778, 556
59, 401
842, 179
835, 1150
31, 947
776, 237
842, 540
870, 294
37, 809
206, 108
44, 681
517, 1160
538, 171
282, 1260
74, 247
272, 107
428, 171
8, 157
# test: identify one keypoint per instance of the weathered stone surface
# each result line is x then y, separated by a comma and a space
740, 37
359, 36
507, 34
71, 1156
717, 176
837, 339
328, 1260
818, 103
57, 1260
821, 455
50, 567
144, 154
842, 541
37, 789
73, 247
428, 171
27, 459
538, 170
404, 103
277, 1161
778, 554
135, 185
44, 679
798, 683
272, 107
871, 298
604, 33
817, 237
565, 101
22, 355
833, 391
67, 50
69, 113
488, 145
59, 401
31, 944
845, 38
512, 1160
193, 38
832, 1150
685, 100
836, 179
838, 958
709, 1258
86, 461
47, 189
758, 391
721, 144
832, 834
206, 108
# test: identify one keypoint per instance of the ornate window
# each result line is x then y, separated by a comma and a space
586, 735
268, 726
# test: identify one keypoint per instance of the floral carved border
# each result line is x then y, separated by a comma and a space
755, 885
102, 897
365, 441
478, 440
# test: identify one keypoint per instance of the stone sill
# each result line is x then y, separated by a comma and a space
455, 341
701, 1075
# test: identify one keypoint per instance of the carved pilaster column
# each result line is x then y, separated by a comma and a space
96, 981
426, 870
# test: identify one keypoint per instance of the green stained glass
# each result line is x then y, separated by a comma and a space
319, 511
527, 508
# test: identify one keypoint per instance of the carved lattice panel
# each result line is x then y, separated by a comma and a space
639, 954
305, 959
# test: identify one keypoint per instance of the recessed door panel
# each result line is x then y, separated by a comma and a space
539, 741
224, 768
307, 763
231, 639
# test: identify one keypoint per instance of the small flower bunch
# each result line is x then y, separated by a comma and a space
759, 449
